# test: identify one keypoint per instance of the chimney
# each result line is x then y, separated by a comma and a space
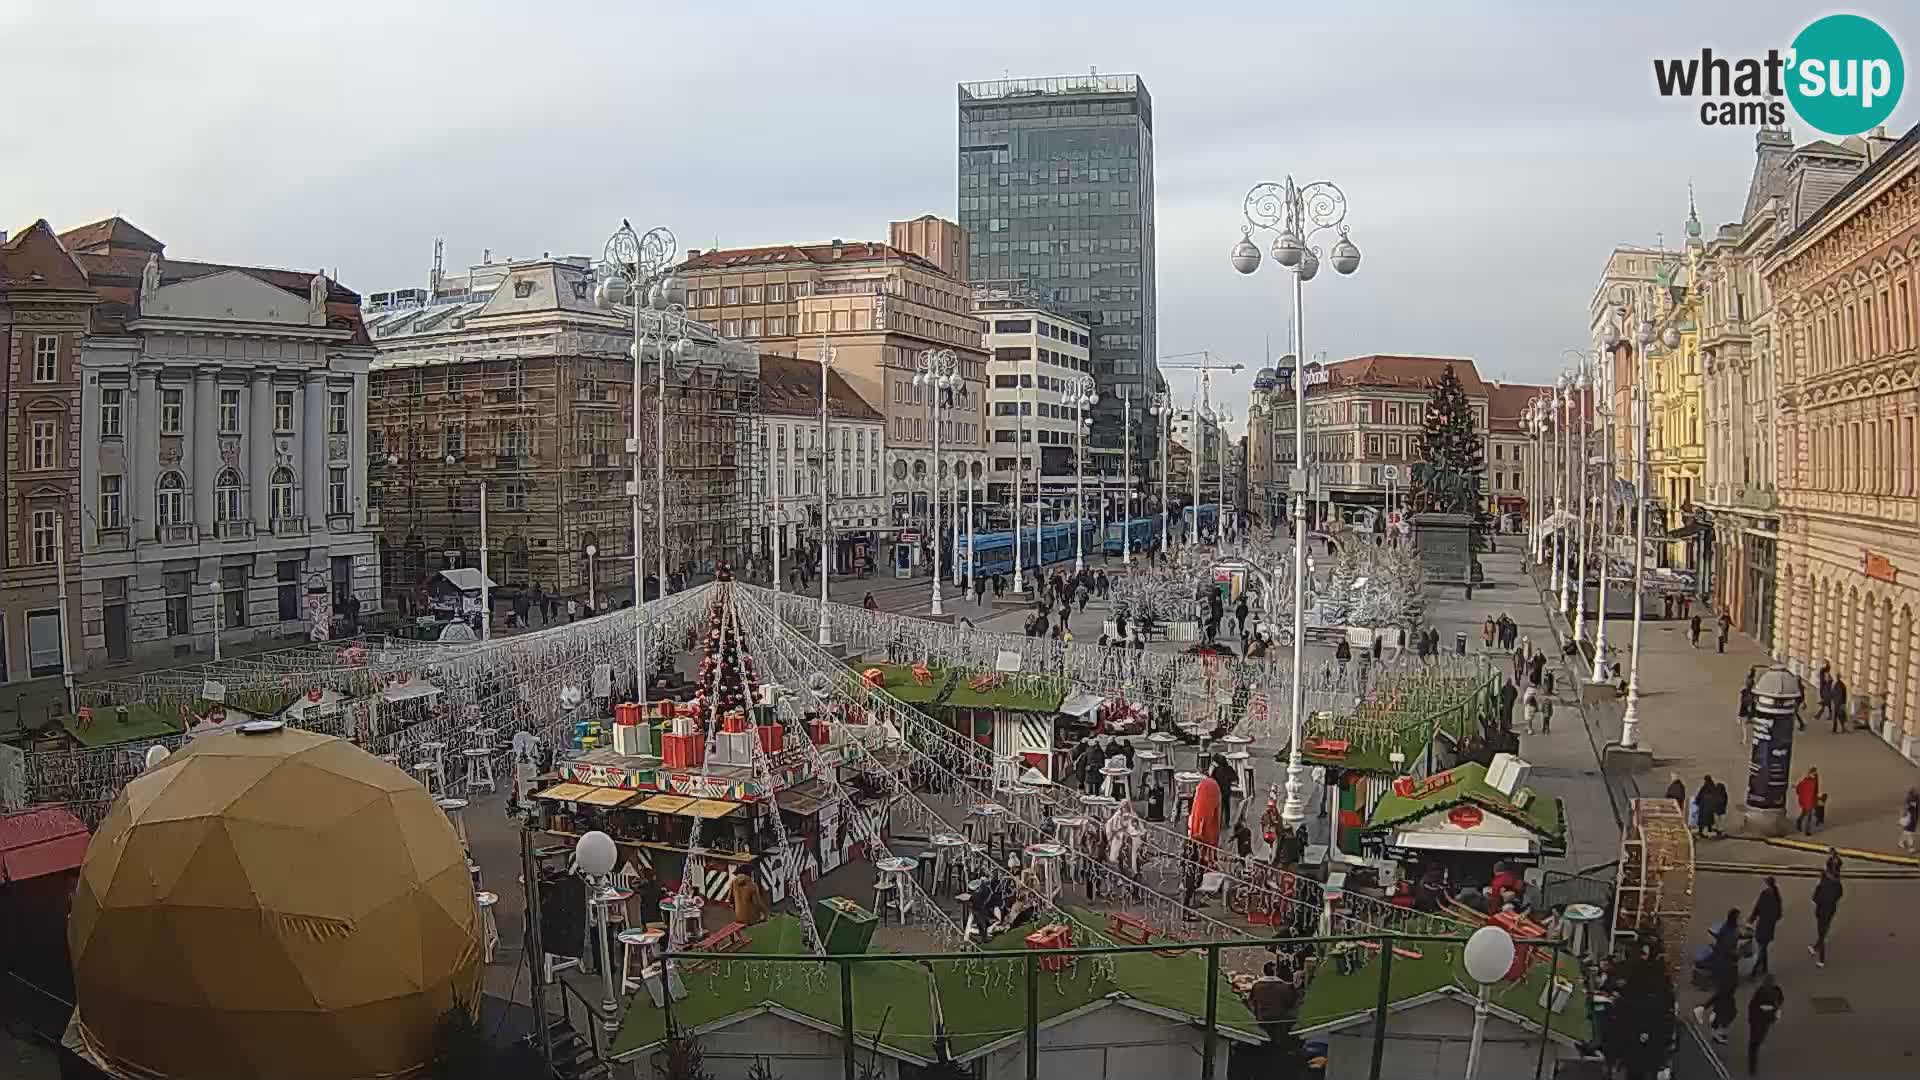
836, 247
486, 256
693, 253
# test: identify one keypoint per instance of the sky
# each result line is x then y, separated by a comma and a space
1491, 154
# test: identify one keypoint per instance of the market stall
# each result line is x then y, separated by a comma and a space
1468, 818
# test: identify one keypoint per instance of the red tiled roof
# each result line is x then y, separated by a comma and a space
791, 387
803, 255
115, 232
34, 259
1408, 372
39, 841
117, 278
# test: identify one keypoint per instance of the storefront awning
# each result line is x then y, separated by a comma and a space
608, 796
565, 792
1462, 841
665, 804
687, 807
1081, 705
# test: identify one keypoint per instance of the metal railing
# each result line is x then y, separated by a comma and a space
1003, 972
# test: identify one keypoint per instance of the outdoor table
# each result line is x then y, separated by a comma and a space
895, 878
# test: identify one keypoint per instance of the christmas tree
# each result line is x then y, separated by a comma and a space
1451, 457
726, 677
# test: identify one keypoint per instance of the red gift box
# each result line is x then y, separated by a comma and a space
819, 731
1052, 936
735, 722
682, 751
627, 712
773, 738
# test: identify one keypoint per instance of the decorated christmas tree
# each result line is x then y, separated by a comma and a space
726, 678
1447, 479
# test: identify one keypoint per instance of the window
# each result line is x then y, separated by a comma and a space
283, 410
753, 327
730, 328
229, 412
45, 651
281, 490
286, 577
730, 295
233, 596
46, 358
709, 297
170, 410
776, 294
42, 446
777, 326
337, 491
171, 506
753, 294
455, 383
453, 439
516, 495
110, 506
179, 586
110, 403
226, 496
337, 412
41, 529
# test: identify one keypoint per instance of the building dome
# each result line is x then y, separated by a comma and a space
1265, 379
279, 904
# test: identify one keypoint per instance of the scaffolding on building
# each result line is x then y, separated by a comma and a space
543, 419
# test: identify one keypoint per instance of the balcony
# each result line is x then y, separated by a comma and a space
234, 529
110, 538
177, 534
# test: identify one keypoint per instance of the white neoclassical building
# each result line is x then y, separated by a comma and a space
223, 470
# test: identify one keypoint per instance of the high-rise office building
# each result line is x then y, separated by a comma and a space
1056, 190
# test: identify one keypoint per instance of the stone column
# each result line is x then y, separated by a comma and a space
143, 465
313, 455
357, 451
260, 448
206, 448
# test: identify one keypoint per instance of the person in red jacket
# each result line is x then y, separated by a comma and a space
1806, 794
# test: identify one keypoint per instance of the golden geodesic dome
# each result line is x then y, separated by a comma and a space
280, 904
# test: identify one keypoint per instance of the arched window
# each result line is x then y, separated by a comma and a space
282, 485
172, 502
226, 496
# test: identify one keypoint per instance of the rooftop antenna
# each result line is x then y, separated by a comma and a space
433, 281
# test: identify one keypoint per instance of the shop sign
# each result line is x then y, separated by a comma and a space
1878, 567
1465, 817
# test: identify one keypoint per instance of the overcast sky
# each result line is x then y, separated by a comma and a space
1491, 153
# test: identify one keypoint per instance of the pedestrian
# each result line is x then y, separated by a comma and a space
1535, 667
1486, 633
1766, 916
1546, 714
1806, 796
1508, 695
1693, 631
1826, 692
999, 586
1519, 666
1826, 901
1909, 819
1532, 707
1726, 626
1704, 808
1677, 791
1763, 1009
1839, 704
573, 609
979, 590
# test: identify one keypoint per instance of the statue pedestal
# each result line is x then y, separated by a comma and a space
1444, 543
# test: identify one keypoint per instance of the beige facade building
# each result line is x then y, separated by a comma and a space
881, 309
1631, 271
1844, 286
1038, 358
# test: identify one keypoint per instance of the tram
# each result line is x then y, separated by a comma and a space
993, 552
1139, 534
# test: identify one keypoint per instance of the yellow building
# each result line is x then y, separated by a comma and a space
1676, 441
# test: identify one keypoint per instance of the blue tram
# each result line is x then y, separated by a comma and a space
1042, 547
1209, 518
1139, 534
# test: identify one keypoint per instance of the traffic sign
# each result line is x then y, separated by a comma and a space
1392, 473
909, 536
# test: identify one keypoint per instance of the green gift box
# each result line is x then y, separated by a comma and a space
845, 926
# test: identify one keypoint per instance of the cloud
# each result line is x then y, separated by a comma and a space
1491, 153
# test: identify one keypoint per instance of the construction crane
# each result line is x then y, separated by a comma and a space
1205, 362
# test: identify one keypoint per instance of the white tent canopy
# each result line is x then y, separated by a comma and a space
467, 579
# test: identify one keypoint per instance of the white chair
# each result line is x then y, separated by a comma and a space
479, 769
489, 929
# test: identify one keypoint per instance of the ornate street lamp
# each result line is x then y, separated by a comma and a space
1162, 412
1295, 215
938, 371
1081, 399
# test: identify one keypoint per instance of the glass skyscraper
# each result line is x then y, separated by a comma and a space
1056, 190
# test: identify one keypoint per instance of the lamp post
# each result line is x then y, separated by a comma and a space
959, 571
592, 591
1630, 720
1081, 398
637, 275
594, 857
1604, 343
972, 470
1536, 422
1579, 383
1295, 215
1162, 410
938, 371
1488, 956
1222, 419
216, 589
1564, 482
823, 636
1201, 413
1126, 483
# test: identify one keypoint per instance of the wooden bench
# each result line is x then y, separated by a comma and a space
729, 938
1129, 929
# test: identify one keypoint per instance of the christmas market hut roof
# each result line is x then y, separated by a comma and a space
105, 728
953, 688
1467, 784
1426, 970
891, 1002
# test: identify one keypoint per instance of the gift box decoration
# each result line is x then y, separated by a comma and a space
739, 746
735, 720
683, 751
1052, 936
683, 725
773, 738
819, 732
626, 713
632, 739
